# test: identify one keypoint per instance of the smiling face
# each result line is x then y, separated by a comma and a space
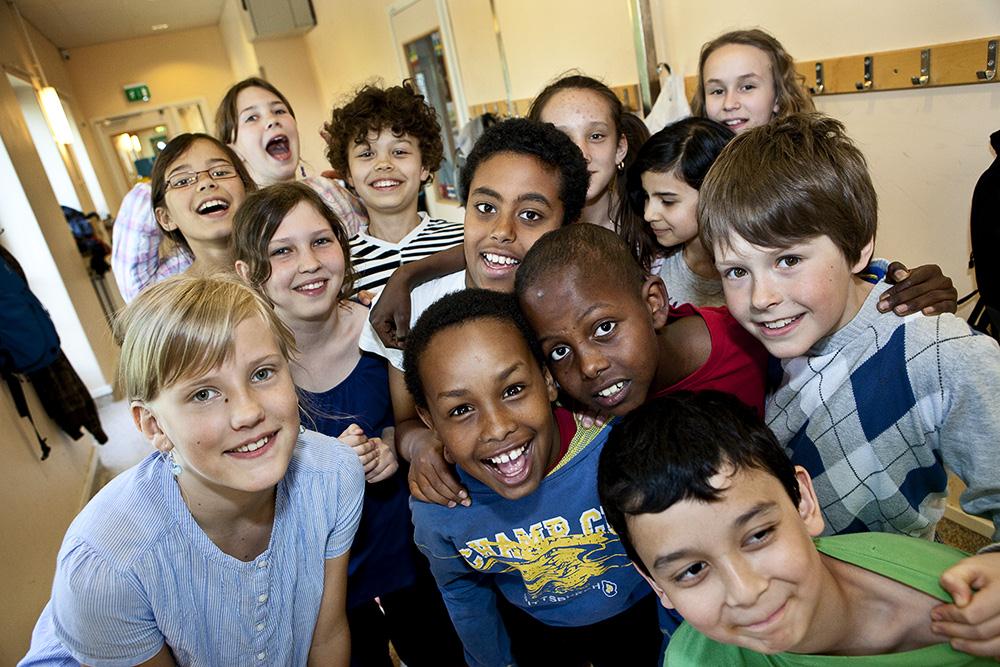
599, 338
743, 569
234, 427
671, 208
267, 136
790, 298
387, 172
202, 211
490, 404
307, 267
513, 200
585, 117
739, 87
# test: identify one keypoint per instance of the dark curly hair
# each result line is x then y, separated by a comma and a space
400, 109
455, 309
545, 143
667, 450
687, 148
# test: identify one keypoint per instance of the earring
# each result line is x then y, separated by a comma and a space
175, 467
302, 429
621, 166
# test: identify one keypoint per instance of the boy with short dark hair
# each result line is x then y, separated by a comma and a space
535, 531
719, 521
610, 337
873, 405
386, 143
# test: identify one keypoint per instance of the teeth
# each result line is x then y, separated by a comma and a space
777, 324
212, 202
613, 389
309, 286
500, 259
386, 183
735, 121
253, 446
507, 457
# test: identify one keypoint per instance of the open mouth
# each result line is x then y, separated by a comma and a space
779, 327
499, 262
733, 123
279, 148
213, 207
511, 466
312, 288
253, 449
385, 183
613, 394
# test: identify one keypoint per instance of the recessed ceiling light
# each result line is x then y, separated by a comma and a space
160, 26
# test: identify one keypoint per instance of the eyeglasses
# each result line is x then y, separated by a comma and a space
186, 179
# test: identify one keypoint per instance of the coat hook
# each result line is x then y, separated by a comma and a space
820, 86
991, 62
867, 83
925, 69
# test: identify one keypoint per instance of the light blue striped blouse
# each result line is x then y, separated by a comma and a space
135, 570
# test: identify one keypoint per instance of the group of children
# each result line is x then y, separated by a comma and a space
577, 428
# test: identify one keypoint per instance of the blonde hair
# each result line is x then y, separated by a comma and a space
789, 86
184, 327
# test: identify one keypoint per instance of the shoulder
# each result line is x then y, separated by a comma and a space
318, 454
690, 648
437, 225
427, 293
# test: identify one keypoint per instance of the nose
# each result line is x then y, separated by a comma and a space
730, 101
273, 120
496, 424
592, 361
245, 410
205, 180
651, 211
744, 585
582, 145
504, 229
308, 261
764, 293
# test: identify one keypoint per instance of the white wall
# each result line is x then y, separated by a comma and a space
926, 148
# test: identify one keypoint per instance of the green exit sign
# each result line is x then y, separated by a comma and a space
137, 92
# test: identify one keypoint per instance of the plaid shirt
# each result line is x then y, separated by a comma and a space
877, 411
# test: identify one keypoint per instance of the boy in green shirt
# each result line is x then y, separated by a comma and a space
722, 526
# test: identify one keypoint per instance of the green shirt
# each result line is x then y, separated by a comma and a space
916, 563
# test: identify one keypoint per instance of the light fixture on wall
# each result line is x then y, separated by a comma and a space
56, 115
52, 106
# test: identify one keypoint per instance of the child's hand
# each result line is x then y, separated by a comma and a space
365, 297
366, 449
588, 418
391, 315
923, 289
385, 462
431, 478
972, 623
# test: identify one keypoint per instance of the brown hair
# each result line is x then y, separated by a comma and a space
793, 179
789, 89
176, 148
258, 219
227, 116
400, 109
183, 327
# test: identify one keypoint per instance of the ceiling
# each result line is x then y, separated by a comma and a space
74, 23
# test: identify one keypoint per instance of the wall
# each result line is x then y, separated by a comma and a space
926, 148
177, 66
242, 57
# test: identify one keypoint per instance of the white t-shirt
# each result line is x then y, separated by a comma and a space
686, 286
421, 297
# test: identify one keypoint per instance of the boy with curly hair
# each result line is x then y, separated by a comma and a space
386, 143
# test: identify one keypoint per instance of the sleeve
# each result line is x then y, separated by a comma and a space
101, 614
346, 506
957, 395
135, 245
469, 595
338, 199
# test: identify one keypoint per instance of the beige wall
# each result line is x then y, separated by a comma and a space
926, 148
242, 57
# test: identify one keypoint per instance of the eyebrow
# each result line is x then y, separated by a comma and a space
187, 166
740, 521
583, 315
741, 77
502, 375
527, 196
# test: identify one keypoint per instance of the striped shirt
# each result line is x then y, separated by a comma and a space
135, 571
375, 259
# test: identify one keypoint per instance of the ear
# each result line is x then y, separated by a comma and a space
237, 151
243, 270
163, 218
664, 600
550, 385
425, 175
425, 417
622, 150
147, 424
654, 294
809, 505
865, 258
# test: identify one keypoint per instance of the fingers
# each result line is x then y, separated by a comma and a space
436, 484
365, 297
401, 320
924, 289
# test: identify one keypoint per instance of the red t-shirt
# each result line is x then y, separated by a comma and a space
737, 364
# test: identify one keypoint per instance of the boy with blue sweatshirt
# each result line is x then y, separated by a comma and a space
535, 531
